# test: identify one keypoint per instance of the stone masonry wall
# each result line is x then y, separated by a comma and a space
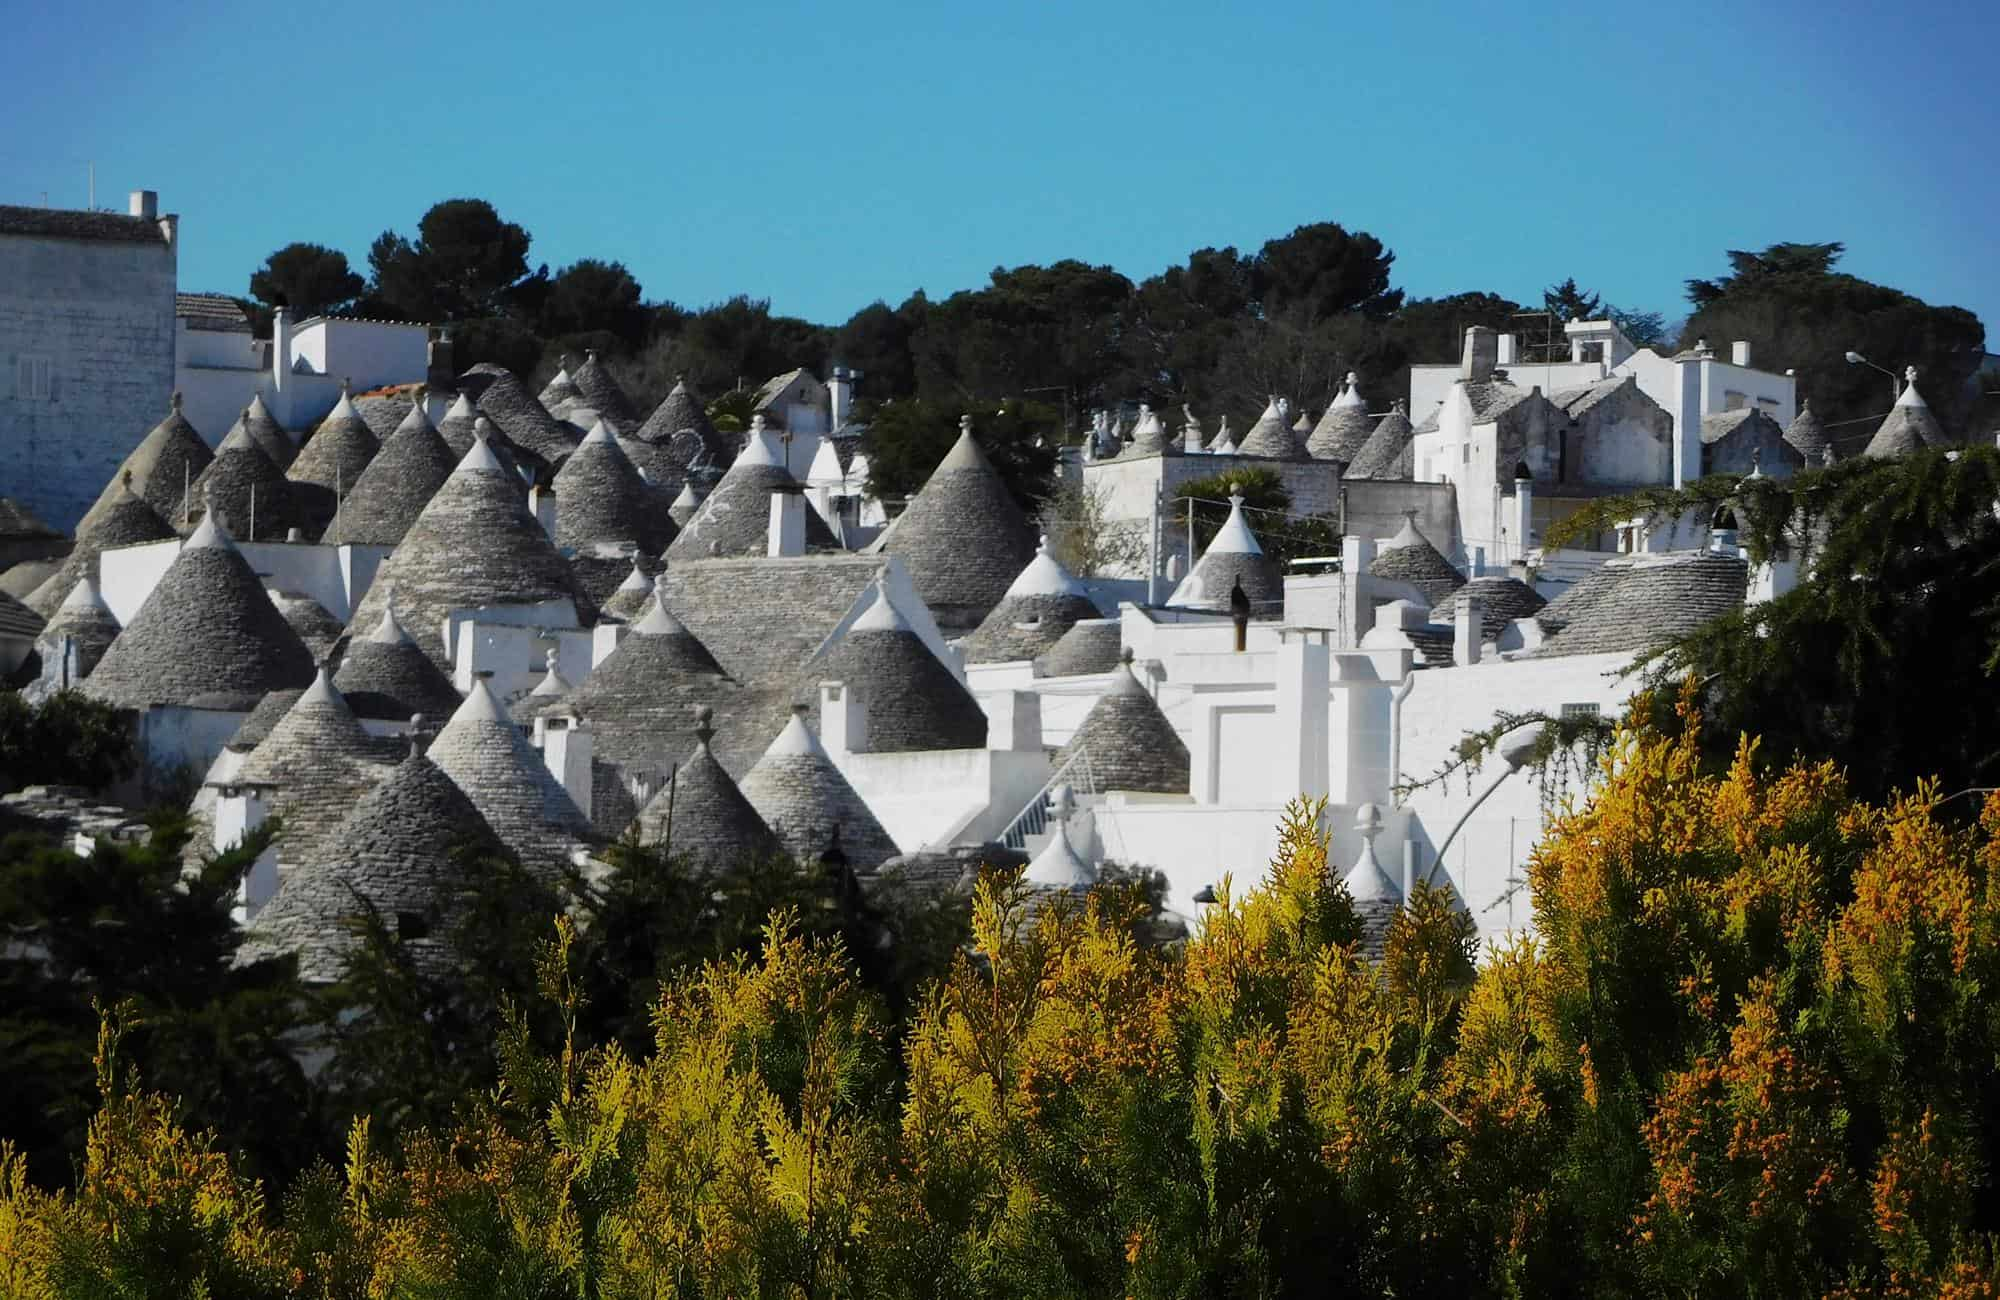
102, 314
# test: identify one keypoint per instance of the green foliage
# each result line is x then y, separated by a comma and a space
309, 279
1801, 314
1266, 508
1076, 518
907, 439
1894, 625
460, 266
68, 739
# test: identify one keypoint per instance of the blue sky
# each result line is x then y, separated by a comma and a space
824, 156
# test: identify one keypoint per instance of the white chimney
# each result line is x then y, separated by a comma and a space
1524, 511
843, 719
1468, 630
239, 810
1739, 353
566, 750
840, 397
1507, 344
1304, 668
788, 523
1013, 721
145, 203
542, 505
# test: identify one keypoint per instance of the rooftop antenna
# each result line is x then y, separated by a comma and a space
92, 165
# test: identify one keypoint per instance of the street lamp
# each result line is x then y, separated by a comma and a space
1895, 389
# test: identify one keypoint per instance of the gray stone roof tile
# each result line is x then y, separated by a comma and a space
387, 496
502, 398
329, 463
1638, 602
1504, 600
119, 518
810, 806
1270, 437
1092, 645
1411, 558
600, 497
702, 813
913, 701
385, 675
735, 517
963, 537
251, 494
1131, 744
162, 467
1389, 453
489, 758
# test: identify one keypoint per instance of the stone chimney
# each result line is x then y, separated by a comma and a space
840, 397
566, 749
788, 522
145, 203
1524, 511
1739, 353
1482, 353
1468, 630
439, 375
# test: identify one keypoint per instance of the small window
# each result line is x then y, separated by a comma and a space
1734, 401
1579, 711
1465, 454
32, 379
412, 925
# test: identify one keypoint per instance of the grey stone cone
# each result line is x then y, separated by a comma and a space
502, 398
394, 852
681, 411
1389, 452
1023, 627
1643, 602
1131, 744
735, 519
1411, 558
1090, 646
810, 806
318, 762
386, 676
120, 518
489, 758
598, 390
251, 492
1340, 434
1503, 599
208, 636
600, 497
387, 497
473, 544
161, 468
701, 813
328, 465
963, 537
267, 433
913, 701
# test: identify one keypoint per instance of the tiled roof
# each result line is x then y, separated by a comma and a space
207, 634
628, 601
211, 311
318, 628
1638, 602
1908, 428
62, 223
17, 620
1340, 434
1578, 401
963, 537
1132, 745
560, 388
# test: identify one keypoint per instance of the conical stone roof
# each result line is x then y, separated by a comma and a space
457, 427
208, 635
385, 675
318, 761
1504, 600
702, 813
328, 465
1269, 437
735, 519
914, 701
1389, 453
600, 497
963, 537
120, 518
473, 544
1041, 605
1233, 556
86, 623
507, 402
393, 851
1149, 437
162, 468
270, 711
1092, 645
316, 626
489, 758
806, 801
1132, 746
1808, 436
681, 411
1059, 865
686, 504
599, 391
251, 492
1908, 428
1343, 431
1410, 557
398, 483
267, 433
640, 700
632, 596
559, 390
1225, 441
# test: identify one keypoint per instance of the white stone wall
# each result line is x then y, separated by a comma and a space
101, 314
